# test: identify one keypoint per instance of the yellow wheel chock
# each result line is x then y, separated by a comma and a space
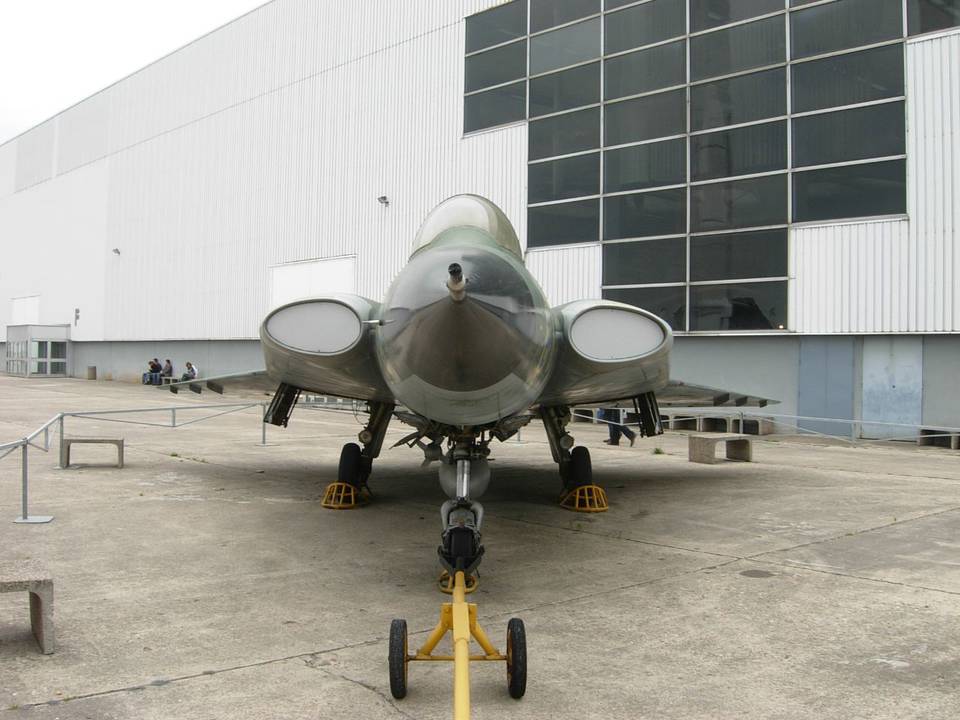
459, 618
344, 496
585, 498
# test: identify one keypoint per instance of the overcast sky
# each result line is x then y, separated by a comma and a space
54, 53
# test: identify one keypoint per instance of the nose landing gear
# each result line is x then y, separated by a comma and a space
464, 473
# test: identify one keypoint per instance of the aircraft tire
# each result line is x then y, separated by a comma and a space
516, 658
351, 465
580, 470
397, 658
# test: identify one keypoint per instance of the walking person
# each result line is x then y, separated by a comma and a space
614, 419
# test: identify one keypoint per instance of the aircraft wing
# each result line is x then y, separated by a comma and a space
254, 381
678, 393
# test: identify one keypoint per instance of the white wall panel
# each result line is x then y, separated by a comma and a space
900, 275
933, 177
36, 150
567, 273
850, 278
53, 238
8, 168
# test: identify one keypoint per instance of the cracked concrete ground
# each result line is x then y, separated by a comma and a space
205, 581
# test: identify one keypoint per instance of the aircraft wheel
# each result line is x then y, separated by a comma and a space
351, 465
579, 470
516, 658
398, 659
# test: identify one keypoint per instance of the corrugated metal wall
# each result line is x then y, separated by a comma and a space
265, 142
567, 273
900, 275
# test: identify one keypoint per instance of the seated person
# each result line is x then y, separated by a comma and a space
190, 374
167, 369
152, 377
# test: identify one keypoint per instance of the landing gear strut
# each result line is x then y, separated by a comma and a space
579, 492
351, 490
464, 474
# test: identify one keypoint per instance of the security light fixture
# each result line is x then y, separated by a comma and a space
116, 251
383, 200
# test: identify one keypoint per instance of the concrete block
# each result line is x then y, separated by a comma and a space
65, 444
722, 424
754, 426
32, 577
702, 448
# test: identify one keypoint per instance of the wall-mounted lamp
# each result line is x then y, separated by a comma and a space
383, 200
116, 251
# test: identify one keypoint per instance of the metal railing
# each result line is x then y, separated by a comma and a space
25, 443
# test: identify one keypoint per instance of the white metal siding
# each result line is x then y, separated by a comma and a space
566, 273
35, 154
900, 275
266, 142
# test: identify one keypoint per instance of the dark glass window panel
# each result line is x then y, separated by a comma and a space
848, 79
573, 222
645, 70
662, 212
644, 166
644, 24
798, 3
741, 151
738, 48
739, 203
873, 131
567, 46
645, 118
850, 191
642, 263
668, 303
549, 13
495, 107
564, 134
705, 14
743, 255
844, 24
495, 66
929, 15
746, 306
502, 23
738, 100
567, 178
564, 90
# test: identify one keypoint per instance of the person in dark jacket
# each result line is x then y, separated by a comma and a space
614, 420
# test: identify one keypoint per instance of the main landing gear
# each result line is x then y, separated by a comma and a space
351, 490
579, 493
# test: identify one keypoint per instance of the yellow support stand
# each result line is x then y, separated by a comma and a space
460, 619
585, 498
344, 496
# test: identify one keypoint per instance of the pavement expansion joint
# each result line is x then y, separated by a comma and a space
387, 700
160, 682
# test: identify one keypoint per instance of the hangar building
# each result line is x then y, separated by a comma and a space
778, 179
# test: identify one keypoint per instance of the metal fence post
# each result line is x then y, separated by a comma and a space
173, 417
263, 425
60, 456
25, 516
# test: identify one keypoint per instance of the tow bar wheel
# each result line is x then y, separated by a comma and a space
398, 659
516, 658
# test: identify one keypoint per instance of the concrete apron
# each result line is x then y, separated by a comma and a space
204, 580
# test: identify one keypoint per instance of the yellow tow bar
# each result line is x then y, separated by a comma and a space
460, 618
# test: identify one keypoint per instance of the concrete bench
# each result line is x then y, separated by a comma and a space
65, 444
702, 448
942, 437
32, 577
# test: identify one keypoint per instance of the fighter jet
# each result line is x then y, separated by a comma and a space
465, 349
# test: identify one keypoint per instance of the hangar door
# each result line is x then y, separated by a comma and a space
309, 278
